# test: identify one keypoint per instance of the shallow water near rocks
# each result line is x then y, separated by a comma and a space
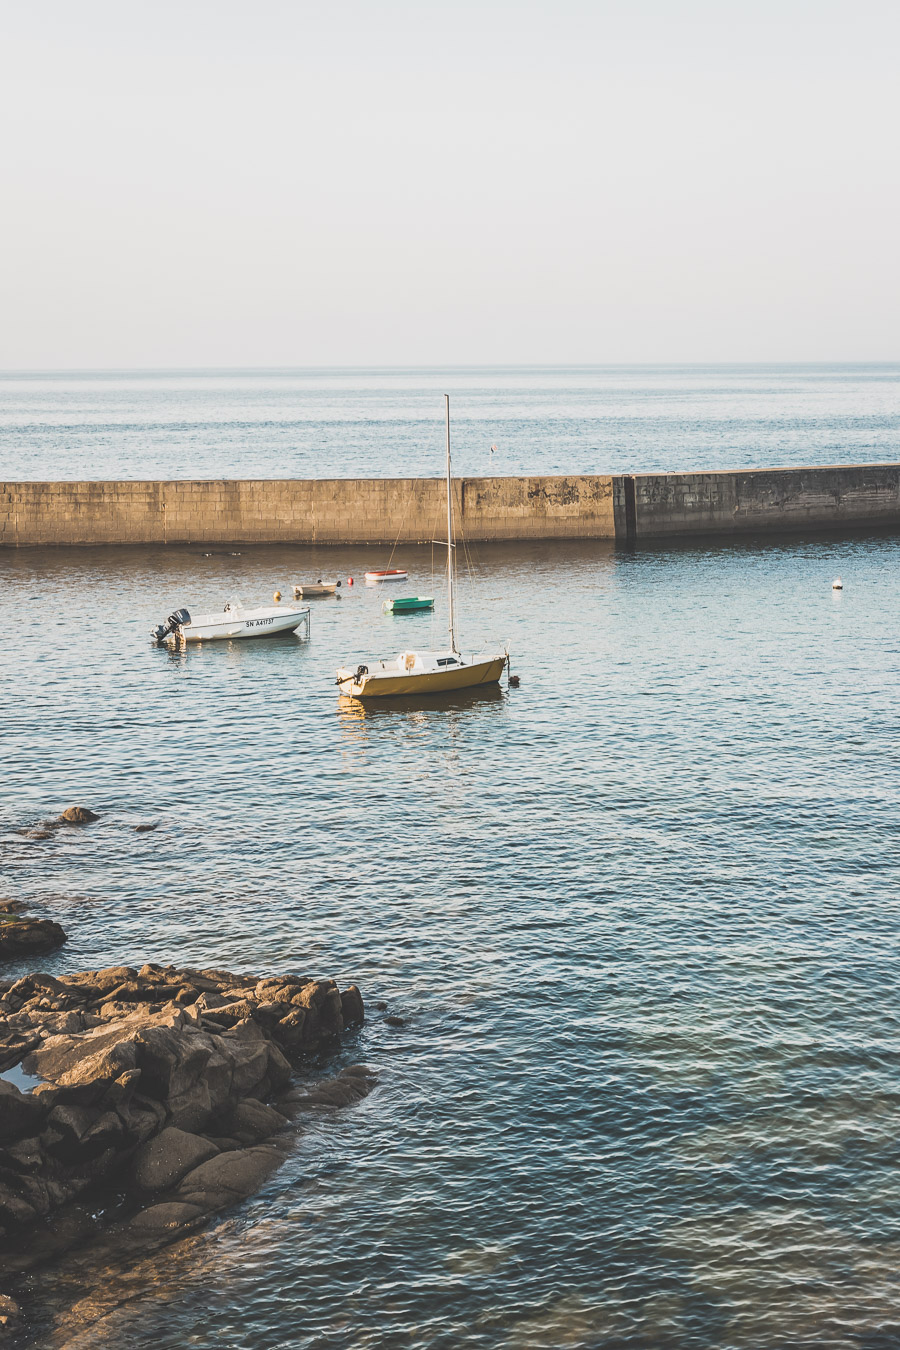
640, 918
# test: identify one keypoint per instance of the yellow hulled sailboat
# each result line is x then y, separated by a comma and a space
416, 672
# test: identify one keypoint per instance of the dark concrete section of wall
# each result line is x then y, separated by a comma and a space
759, 500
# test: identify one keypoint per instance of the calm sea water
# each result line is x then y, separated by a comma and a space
380, 423
641, 917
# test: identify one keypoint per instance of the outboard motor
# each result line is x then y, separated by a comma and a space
162, 630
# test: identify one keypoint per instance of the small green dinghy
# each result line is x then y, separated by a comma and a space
406, 604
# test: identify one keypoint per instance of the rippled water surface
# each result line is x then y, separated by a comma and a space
383, 423
640, 915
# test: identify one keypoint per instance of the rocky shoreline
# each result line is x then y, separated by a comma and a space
148, 1100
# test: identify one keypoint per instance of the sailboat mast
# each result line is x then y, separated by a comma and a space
450, 534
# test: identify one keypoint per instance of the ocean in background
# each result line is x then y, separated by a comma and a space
344, 423
640, 916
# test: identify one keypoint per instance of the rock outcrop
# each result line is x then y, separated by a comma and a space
78, 815
158, 1082
23, 935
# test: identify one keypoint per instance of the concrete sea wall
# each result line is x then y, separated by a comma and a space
295, 510
627, 507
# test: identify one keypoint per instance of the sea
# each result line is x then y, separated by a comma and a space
639, 916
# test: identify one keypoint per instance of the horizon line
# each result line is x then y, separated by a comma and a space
449, 366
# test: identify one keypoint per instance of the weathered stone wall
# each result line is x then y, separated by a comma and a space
756, 500
323, 511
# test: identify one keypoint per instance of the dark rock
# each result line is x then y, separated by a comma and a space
173, 1214
160, 1163
352, 1009
22, 1197
24, 936
332, 1017
279, 1069
76, 1134
230, 1175
350, 1085
290, 1030
394, 1021
170, 1059
21, 1114
210, 999
144, 829
141, 1118
252, 1120
25, 1155
78, 815
65, 1126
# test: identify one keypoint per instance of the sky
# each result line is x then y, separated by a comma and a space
208, 183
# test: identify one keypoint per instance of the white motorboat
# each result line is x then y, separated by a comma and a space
235, 621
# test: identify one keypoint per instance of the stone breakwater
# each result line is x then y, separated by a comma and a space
624, 507
161, 1086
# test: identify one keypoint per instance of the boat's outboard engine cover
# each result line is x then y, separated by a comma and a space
162, 630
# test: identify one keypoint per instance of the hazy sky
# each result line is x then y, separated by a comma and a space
201, 183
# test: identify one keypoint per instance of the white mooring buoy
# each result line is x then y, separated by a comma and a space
837, 584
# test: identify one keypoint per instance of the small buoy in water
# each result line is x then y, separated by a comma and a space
349, 581
513, 681
276, 596
837, 584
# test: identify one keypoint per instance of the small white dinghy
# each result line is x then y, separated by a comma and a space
235, 621
316, 589
387, 574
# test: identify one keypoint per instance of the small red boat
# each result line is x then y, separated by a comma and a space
389, 574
